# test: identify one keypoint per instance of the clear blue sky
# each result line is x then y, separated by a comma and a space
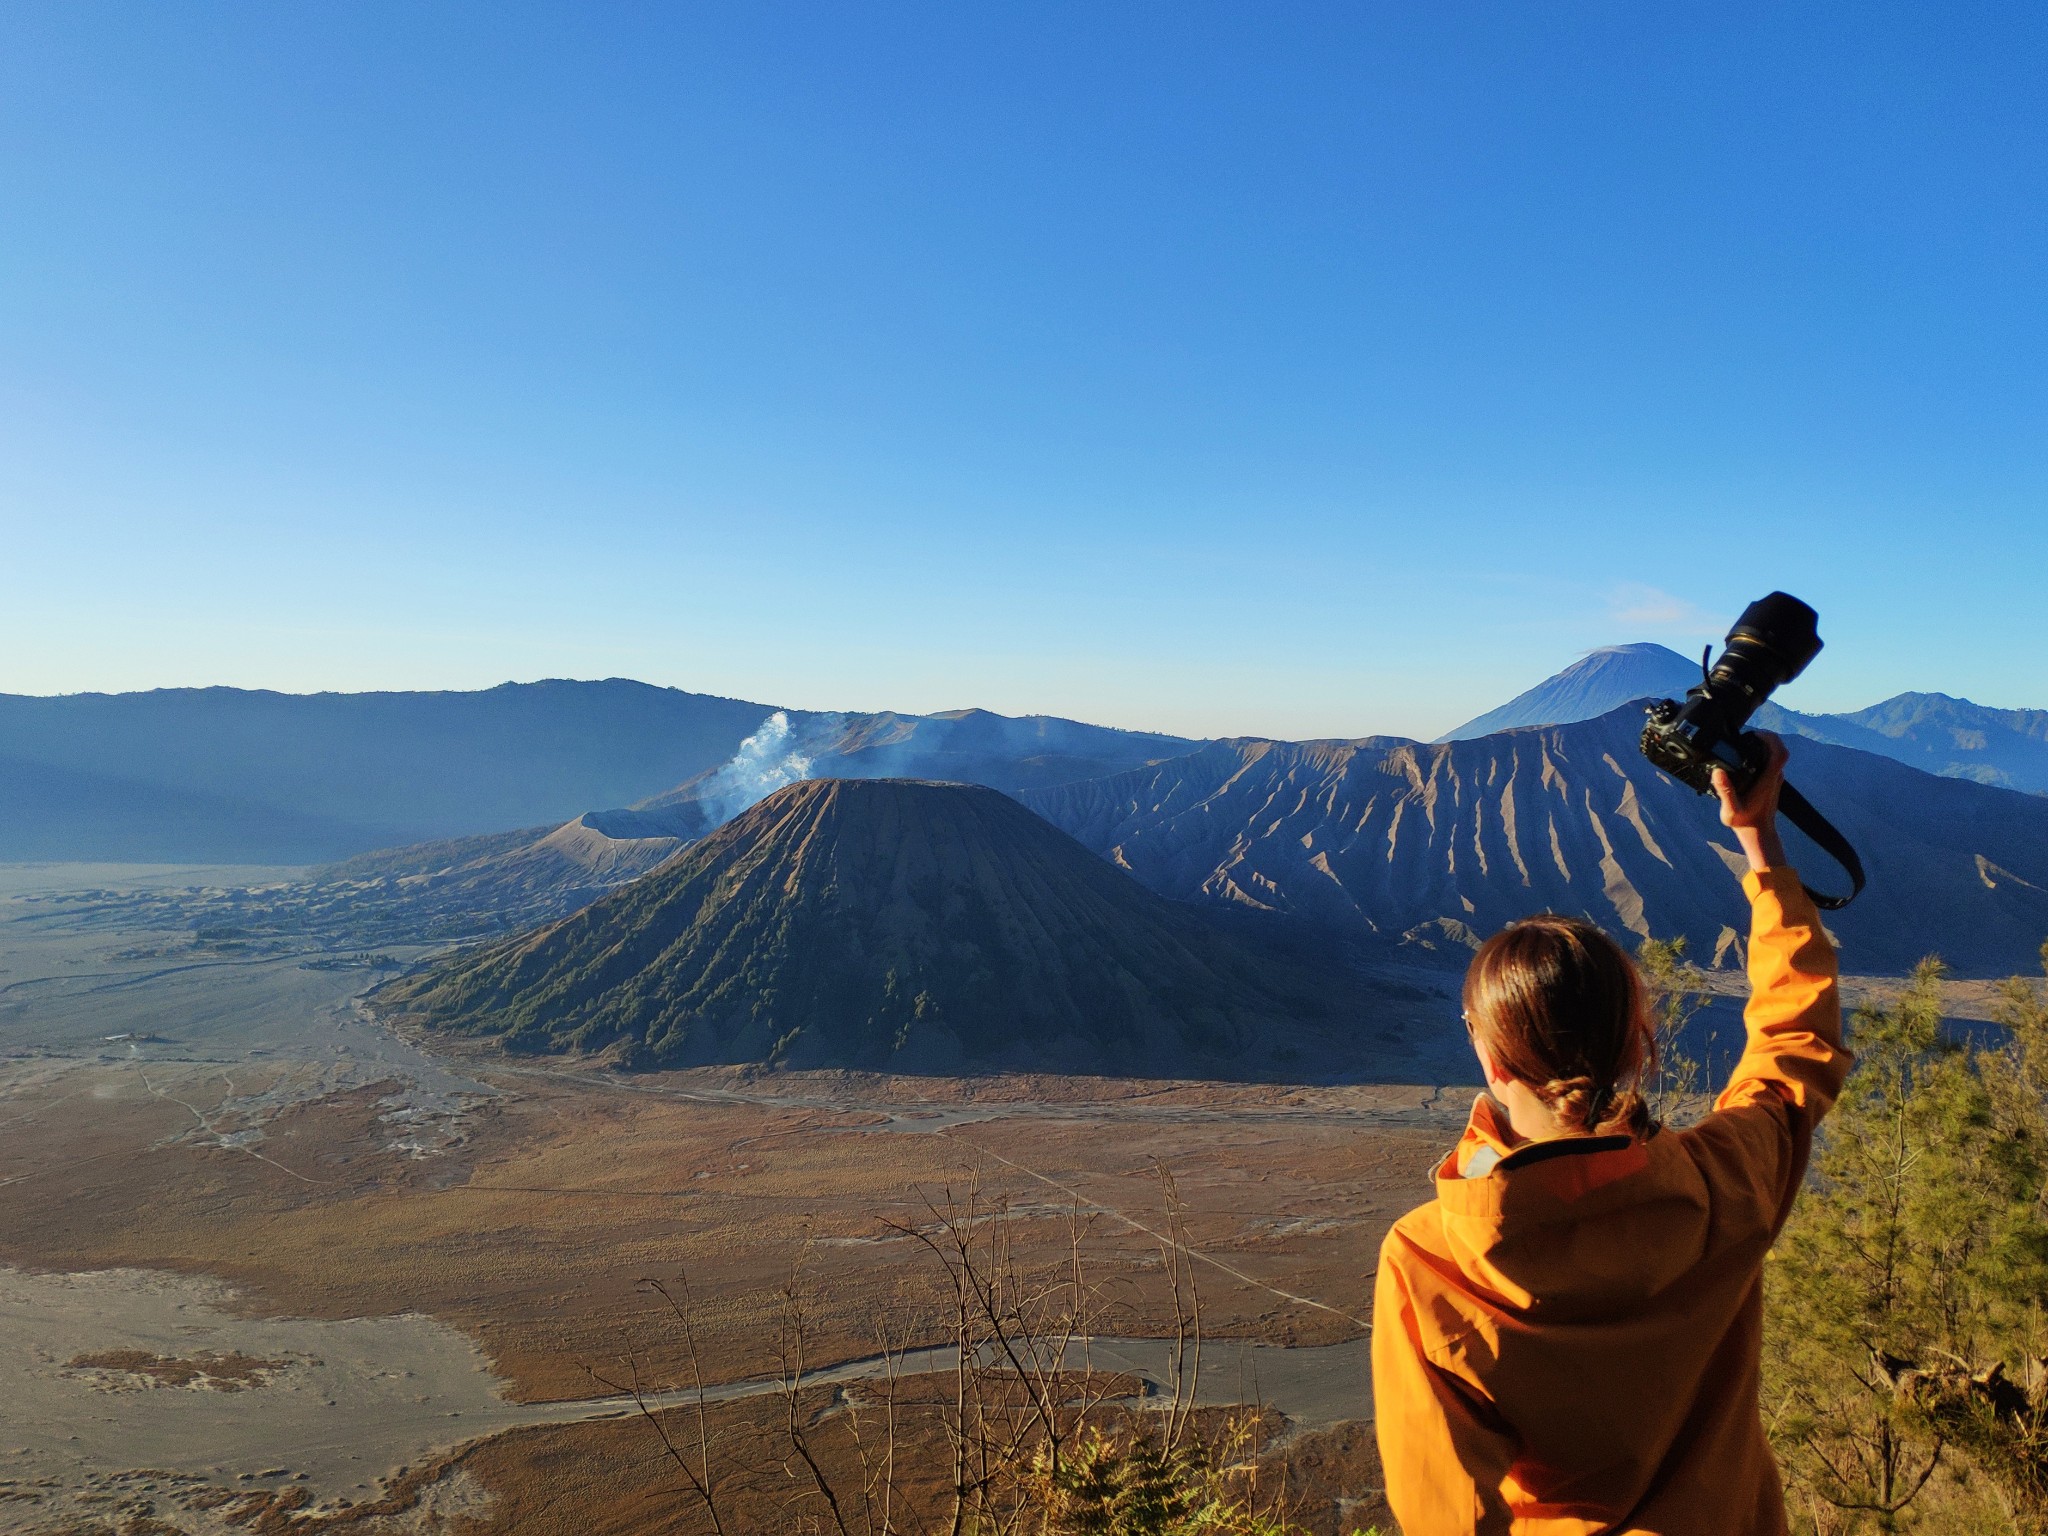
1287, 368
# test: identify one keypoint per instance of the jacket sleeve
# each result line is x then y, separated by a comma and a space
1793, 1062
1444, 1450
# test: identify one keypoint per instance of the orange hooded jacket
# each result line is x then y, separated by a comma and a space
1566, 1340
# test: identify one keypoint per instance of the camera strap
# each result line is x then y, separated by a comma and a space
1801, 813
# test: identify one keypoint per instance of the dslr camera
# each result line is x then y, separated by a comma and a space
1769, 646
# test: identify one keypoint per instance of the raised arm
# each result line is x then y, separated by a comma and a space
1794, 1018
1793, 1062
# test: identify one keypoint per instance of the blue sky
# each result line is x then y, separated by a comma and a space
1297, 369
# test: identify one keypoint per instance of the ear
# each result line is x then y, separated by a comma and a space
1493, 1074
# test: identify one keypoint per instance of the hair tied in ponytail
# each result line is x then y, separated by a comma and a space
1598, 1105
1558, 1006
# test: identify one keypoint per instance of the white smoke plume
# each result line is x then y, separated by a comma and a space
777, 754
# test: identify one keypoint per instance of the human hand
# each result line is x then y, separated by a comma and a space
1753, 816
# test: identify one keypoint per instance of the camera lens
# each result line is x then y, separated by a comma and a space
1777, 635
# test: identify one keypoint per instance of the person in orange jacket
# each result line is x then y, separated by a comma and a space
1566, 1339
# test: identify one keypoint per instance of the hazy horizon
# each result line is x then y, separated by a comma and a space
1298, 373
1788, 695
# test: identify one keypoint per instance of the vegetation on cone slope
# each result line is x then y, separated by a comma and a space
881, 923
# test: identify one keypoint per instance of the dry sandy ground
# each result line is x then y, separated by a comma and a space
449, 1250
113, 1370
336, 1404
500, 1269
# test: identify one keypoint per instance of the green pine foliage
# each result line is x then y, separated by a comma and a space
1674, 990
1107, 1488
1109, 1485
1904, 1383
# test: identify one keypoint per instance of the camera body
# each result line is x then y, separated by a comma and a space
1769, 646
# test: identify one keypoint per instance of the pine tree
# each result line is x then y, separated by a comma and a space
1674, 991
1905, 1301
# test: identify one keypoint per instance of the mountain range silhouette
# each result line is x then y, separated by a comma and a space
1422, 846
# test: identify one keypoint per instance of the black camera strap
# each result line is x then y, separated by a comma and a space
1801, 813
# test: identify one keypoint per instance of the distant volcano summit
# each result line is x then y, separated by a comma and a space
1597, 682
891, 924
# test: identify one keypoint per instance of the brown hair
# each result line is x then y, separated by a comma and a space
1559, 1006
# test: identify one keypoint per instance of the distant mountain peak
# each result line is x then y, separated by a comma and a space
1599, 681
1938, 732
1957, 738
